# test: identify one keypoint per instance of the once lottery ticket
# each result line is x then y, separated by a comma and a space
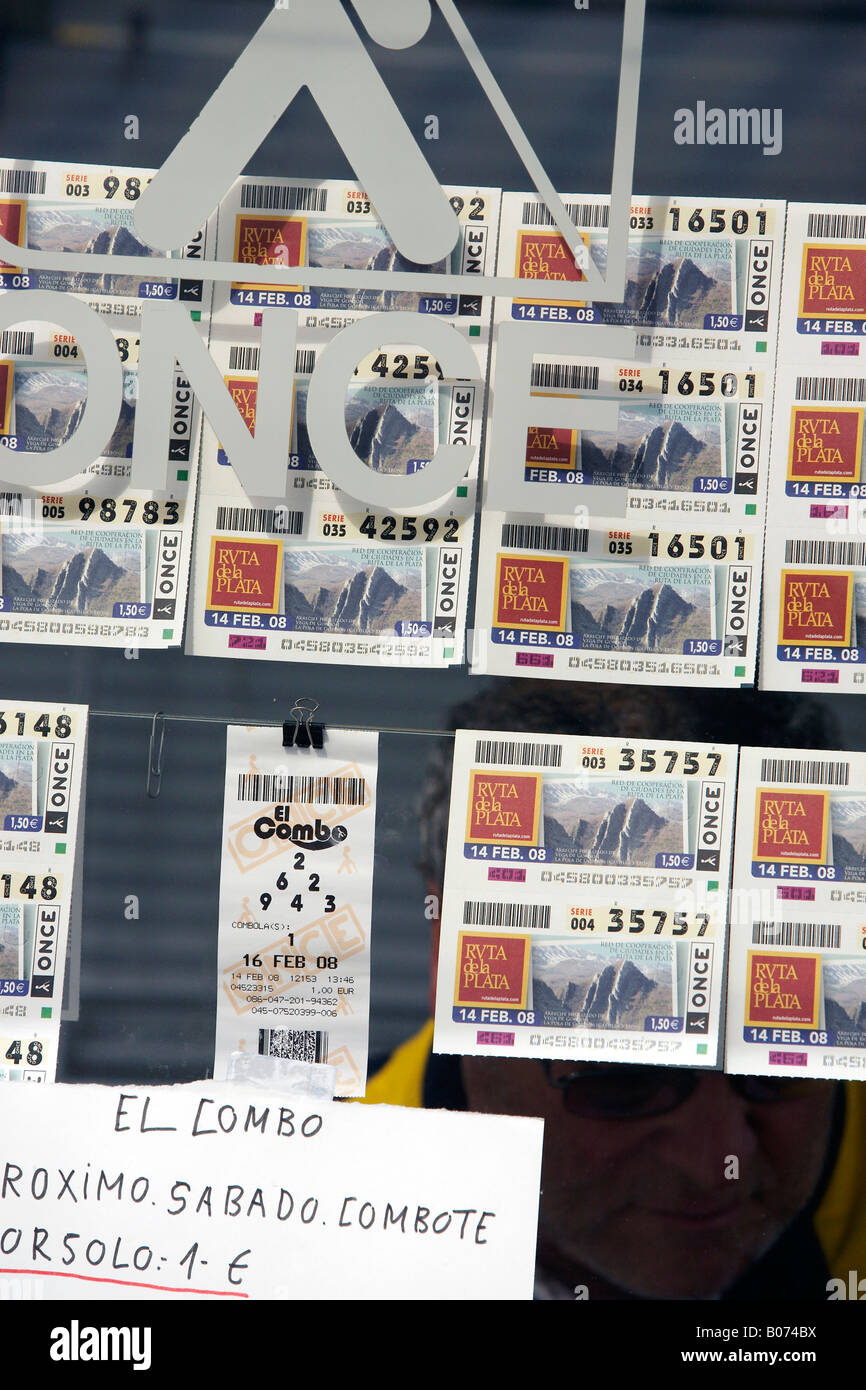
296, 900
89, 210
585, 899
42, 752
609, 602
814, 612
330, 225
93, 560
797, 973
701, 278
823, 309
685, 442
815, 558
313, 575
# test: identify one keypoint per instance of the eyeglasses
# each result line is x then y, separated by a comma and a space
609, 1091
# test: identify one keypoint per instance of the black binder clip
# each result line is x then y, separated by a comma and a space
300, 731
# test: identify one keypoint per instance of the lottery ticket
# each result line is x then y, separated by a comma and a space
94, 560
612, 603
88, 209
42, 752
329, 225
797, 974
815, 568
585, 902
814, 612
686, 442
823, 310
700, 278
314, 575
296, 900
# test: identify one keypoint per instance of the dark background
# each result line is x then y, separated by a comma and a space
70, 72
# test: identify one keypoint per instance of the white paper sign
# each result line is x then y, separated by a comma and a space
222, 1191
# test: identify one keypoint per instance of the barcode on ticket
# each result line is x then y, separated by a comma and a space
524, 916
246, 359
294, 1044
831, 388
851, 554
278, 520
321, 791
836, 224
510, 754
805, 770
272, 196
571, 538
22, 180
816, 934
564, 377
581, 214
17, 341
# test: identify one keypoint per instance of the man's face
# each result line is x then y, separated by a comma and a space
645, 1203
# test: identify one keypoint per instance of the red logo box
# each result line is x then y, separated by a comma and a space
270, 240
816, 607
825, 443
531, 592
791, 825
492, 970
833, 283
504, 808
550, 448
244, 575
783, 989
12, 227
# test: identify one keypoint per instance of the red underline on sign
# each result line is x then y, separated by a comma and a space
125, 1283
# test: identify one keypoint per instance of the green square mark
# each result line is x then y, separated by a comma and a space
447, 652
60, 847
701, 1049
713, 885
760, 347
183, 475
475, 330
45, 1012
167, 634
195, 315
751, 507
739, 670
463, 492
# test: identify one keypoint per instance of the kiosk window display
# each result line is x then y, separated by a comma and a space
432, 588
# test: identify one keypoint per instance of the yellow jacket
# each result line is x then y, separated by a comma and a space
839, 1221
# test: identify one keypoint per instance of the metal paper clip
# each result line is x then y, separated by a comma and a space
303, 733
154, 755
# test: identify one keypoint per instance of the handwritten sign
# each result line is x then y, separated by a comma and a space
231, 1192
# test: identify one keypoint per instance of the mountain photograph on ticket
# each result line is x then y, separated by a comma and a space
48, 403
844, 985
848, 837
57, 228
365, 247
17, 779
71, 570
392, 428
11, 944
602, 984
656, 446
859, 633
640, 608
613, 821
671, 283
352, 589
